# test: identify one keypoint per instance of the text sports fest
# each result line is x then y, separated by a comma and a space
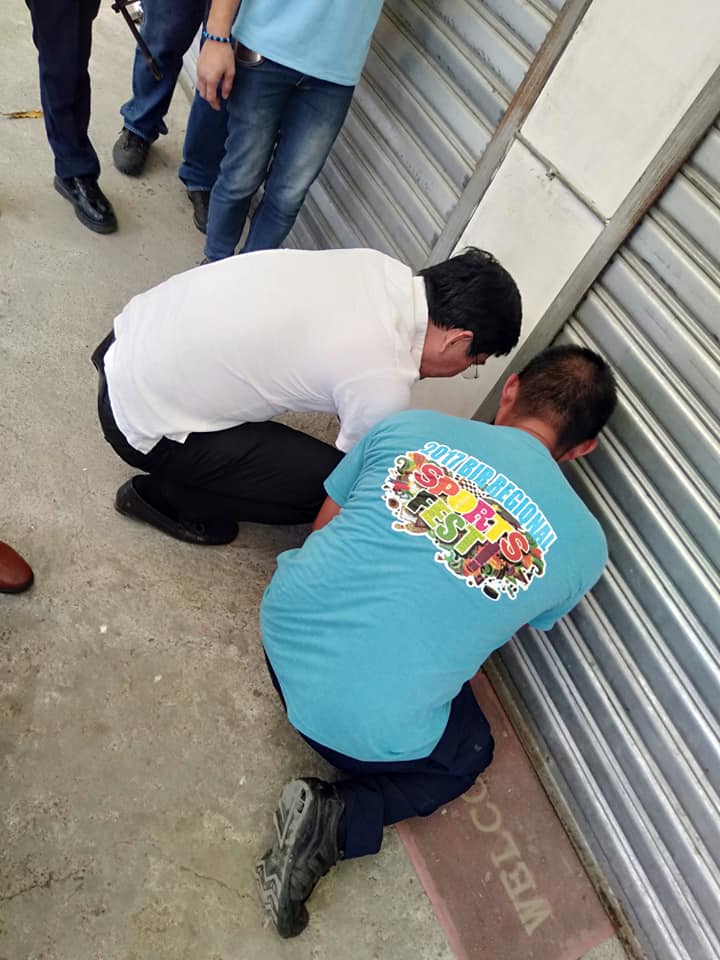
488, 530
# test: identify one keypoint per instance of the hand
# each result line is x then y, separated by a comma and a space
215, 68
328, 510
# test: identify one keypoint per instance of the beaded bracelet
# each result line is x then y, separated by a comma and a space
212, 36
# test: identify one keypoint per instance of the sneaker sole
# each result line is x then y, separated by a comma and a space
272, 871
109, 227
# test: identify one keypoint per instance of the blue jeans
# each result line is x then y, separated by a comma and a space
204, 144
168, 29
281, 126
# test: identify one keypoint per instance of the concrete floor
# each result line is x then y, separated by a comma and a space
142, 745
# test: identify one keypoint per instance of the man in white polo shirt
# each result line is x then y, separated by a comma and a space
196, 368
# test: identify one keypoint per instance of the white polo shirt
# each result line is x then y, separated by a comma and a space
253, 336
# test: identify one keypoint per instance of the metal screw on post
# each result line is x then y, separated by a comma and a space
129, 11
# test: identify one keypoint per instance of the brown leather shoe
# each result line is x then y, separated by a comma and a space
15, 573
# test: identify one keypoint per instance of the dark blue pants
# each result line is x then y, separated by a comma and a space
169, 28
378, 794
62, 33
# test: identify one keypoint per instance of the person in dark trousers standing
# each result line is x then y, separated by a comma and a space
196, 368
169, 28
440, 538
62, 33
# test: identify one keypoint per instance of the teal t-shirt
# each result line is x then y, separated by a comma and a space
328, 39
452, 535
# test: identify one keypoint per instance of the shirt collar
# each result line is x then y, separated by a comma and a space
420, 320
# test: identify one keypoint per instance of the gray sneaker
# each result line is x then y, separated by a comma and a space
130, 153
307, 821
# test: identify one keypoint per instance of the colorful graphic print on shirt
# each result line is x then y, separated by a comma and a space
487, 530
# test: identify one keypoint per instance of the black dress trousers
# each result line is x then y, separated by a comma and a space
62, 33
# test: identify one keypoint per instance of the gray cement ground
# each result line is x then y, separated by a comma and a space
142, 745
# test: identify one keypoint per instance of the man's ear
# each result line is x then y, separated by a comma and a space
511, 389
456, 335
579, 450
508, 397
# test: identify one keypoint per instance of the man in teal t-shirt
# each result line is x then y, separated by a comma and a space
439, 539
288, 88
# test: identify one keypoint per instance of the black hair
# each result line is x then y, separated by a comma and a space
571, 386
472, 291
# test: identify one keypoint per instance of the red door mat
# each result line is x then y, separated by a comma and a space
498, 867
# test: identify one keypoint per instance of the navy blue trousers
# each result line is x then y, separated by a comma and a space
377, 794
62, 33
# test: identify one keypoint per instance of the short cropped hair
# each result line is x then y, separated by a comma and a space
573, 388
472, 291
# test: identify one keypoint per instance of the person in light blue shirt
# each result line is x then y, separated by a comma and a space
288, 86
439, 539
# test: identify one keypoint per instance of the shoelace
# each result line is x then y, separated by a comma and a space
129, 138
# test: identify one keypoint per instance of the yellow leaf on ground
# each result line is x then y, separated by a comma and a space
23, 115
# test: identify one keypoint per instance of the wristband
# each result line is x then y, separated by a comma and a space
213, 36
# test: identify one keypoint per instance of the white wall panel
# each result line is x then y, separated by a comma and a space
624, 82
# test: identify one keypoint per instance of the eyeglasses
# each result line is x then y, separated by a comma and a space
472, 372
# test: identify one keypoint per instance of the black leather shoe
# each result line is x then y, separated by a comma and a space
92, 207
200, 199
211, 533
130, 153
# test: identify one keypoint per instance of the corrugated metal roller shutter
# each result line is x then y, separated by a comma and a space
624, 695
438, 79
